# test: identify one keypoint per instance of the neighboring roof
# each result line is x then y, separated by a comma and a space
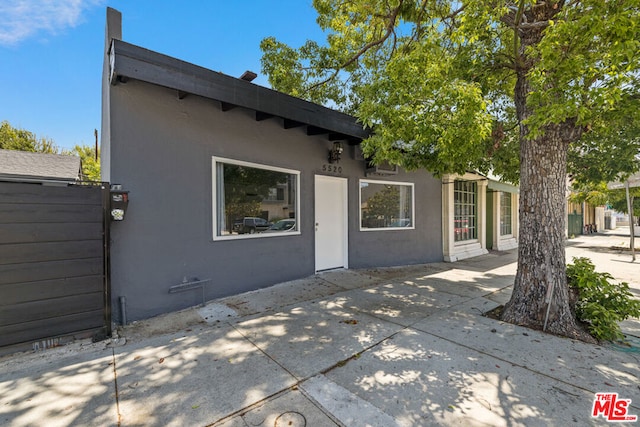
496, 183
130, 61
502, 186
634, 181
27, 165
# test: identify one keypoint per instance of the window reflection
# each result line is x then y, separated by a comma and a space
254, 199
385, 205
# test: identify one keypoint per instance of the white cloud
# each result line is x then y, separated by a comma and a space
21, 19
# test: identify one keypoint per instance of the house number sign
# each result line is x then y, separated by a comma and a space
331, 168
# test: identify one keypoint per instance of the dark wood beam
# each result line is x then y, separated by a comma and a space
333, 136
315, 130
290, 124
225, 106
260, 116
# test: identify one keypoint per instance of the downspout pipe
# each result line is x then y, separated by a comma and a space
123, 310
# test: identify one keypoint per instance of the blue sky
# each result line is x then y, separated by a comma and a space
51, 50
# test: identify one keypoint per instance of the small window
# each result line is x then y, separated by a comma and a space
386, 205
276, 194
465, 194
505, 214
252, 200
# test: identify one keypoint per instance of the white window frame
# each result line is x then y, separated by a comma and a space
397, 183
214, 161
452, 250
476, 216
503, 194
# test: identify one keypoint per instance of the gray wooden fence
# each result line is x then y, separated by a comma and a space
53, 261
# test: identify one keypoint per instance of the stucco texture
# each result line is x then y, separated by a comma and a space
161, 150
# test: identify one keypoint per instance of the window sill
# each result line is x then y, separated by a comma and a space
387, 229
231, 237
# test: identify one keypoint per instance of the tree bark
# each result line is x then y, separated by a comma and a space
540, 285
540, 297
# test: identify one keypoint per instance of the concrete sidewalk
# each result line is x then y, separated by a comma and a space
396, 346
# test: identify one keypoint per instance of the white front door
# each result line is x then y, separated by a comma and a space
331, 222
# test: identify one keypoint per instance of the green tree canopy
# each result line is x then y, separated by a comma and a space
383, 205
618, 200
437, 79
89, 160
507, 86
20, 139
23, 140
599, 159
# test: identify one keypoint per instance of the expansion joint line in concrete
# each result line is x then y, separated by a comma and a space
248, 338
115, 384
253, 406
343, 362
298, 381
509, 362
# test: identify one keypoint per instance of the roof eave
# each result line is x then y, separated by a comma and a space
131, 61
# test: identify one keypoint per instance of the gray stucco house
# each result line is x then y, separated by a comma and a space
200, 152
236, 187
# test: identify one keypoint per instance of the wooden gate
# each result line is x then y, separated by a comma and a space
574, 225
53, 262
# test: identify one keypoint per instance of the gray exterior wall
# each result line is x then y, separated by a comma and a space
161, 150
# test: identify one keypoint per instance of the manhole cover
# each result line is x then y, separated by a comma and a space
291, 419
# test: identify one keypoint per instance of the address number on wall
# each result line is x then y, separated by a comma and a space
331, 168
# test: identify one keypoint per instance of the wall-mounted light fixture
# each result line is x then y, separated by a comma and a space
335, 152
119, 200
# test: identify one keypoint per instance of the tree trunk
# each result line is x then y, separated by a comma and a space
541, 275
540, 297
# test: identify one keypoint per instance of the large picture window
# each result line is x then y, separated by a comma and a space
505, 214
386, 205
465, 210
252, 200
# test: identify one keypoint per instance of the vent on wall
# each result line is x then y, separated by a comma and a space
384, 168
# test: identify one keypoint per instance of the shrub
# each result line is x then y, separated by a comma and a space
601, 304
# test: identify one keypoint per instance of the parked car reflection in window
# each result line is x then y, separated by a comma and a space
251, 225
282, 225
